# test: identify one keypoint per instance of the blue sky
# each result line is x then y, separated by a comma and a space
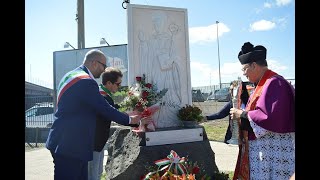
271, 23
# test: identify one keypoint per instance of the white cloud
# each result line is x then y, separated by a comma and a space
278, 3
267, 5
206, 34
282, 22
276, 66
262, 25
283, 2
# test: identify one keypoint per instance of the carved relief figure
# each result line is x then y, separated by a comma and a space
161, 62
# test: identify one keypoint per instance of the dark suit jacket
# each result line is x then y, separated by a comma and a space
72, 132
224, 112
103, 128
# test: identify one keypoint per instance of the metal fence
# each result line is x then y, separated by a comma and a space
39, 112
206, 91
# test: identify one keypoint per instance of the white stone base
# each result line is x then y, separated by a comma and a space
174, 136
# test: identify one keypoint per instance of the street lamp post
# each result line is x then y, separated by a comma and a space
67, 44
217, 22
104, 41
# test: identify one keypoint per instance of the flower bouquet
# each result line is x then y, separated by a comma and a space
143, 99
174, 167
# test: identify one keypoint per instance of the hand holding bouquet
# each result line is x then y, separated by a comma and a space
143, 99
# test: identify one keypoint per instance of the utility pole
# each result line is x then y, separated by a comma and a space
218, 55
80, 20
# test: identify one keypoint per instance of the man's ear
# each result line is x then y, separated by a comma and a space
254, 65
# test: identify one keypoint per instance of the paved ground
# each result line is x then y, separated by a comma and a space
225, 154
39, 165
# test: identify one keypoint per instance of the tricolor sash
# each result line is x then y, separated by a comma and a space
104, 91
70, 79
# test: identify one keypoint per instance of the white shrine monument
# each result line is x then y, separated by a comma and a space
158, 46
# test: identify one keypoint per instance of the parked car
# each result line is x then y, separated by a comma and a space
40, 115
197, 96
221, 95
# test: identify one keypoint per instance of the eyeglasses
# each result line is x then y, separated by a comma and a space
117, 83
104, 66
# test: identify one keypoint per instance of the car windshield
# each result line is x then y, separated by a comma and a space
220, 95
31, 112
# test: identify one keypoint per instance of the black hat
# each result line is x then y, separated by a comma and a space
249, 54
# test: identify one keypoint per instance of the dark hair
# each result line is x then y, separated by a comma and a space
244, 93
111, 74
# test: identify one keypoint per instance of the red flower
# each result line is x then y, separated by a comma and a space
142, 177
138, 78
195, 170
146, 113
145, 94
148, 85
138, 105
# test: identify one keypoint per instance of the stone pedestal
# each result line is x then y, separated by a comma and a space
129, 157
189, 124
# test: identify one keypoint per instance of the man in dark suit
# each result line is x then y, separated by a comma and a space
71, 137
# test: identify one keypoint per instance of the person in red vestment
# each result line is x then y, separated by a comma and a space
267, 125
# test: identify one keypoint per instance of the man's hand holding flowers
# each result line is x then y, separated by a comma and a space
143, 99
135, 119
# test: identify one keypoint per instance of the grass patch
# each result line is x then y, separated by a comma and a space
230, 174
216, 130
103, 176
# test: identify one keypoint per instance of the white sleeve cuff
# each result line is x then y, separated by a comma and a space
257, 130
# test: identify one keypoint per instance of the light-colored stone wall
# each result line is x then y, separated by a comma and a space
209, 107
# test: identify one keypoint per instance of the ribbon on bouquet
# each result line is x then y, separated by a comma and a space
172, 160
147, 112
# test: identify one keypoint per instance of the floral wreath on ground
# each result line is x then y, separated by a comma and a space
143, 99
174, 167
